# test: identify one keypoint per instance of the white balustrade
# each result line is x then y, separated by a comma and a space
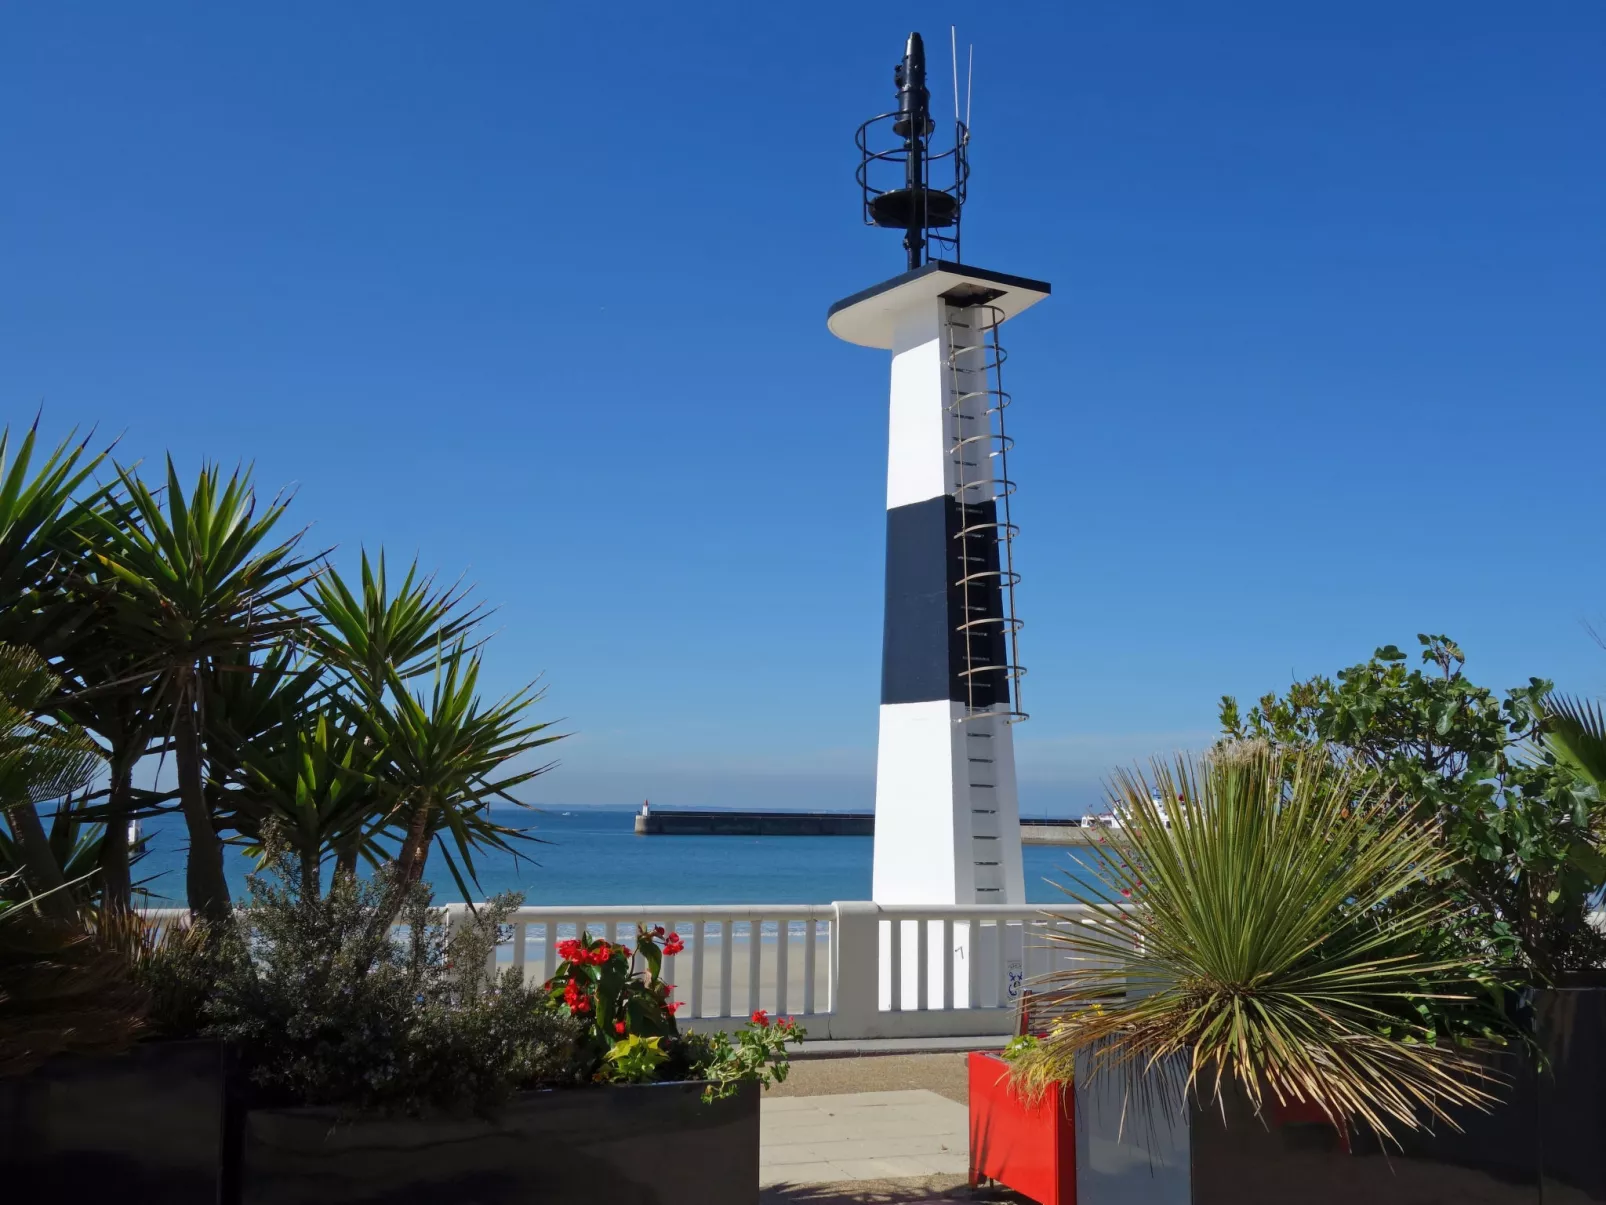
780, 944
845, 970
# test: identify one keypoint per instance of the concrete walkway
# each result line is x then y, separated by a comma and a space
861, 1136
888, 1130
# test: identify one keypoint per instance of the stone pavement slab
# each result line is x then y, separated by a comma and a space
945, 1074
859, 1136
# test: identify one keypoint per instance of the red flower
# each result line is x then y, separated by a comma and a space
677, 1006
618, 1027
577, 1001
571, 951
674, 945
657, 930
761, 1018
600, 954
1127, 891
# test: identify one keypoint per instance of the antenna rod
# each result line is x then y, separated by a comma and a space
953, 53
914, 123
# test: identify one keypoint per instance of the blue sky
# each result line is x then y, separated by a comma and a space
538, 293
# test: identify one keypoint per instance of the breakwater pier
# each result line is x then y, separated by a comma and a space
718, 822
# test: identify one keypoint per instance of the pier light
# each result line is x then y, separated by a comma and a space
947, 817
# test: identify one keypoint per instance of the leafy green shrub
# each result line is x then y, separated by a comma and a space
1019, 1046
330, 1006
755, 1054
1522, 827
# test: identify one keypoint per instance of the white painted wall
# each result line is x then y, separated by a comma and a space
918, 858
917, 441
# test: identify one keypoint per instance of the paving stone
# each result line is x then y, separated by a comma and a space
862, 1136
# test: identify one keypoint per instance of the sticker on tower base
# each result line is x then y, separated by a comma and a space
1016, 973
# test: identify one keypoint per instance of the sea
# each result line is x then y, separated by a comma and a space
592, 855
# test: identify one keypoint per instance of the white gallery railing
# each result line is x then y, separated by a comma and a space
846, 970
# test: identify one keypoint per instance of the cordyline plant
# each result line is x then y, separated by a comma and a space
202, 586
1244, 931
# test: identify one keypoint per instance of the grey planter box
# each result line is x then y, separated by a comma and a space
1493, 1159
647, 1144
142, 1127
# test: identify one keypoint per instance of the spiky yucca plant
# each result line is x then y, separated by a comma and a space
1265, 925
60, 990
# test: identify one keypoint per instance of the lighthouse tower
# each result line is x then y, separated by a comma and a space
947, 825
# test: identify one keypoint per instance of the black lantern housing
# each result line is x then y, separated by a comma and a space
897, 163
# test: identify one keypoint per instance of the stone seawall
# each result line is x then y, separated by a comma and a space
713, 823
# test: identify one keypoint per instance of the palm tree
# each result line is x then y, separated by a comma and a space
118, 705
287, 756
294, 756
107, 691
202, 588
443, 758
40, 761
1264, 925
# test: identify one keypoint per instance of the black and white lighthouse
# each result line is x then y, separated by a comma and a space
947, 816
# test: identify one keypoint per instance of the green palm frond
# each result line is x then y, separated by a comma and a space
447, 757
41, 760
1576, 734
75, 843
41, 511
384, 632
314, 786
1257, 927
198, 573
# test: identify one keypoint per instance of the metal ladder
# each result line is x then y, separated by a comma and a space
986, 570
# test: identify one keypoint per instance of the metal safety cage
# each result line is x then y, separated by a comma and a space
896, 168
893, 201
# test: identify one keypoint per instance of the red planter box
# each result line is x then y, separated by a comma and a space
1030, 1148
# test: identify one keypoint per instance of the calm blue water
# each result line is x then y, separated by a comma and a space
595, 857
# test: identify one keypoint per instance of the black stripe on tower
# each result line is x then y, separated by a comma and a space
923, 648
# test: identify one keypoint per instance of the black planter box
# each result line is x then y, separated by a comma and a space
1492, 1160
1571, 1023
647, 1144
1544, 1143
142, 1127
